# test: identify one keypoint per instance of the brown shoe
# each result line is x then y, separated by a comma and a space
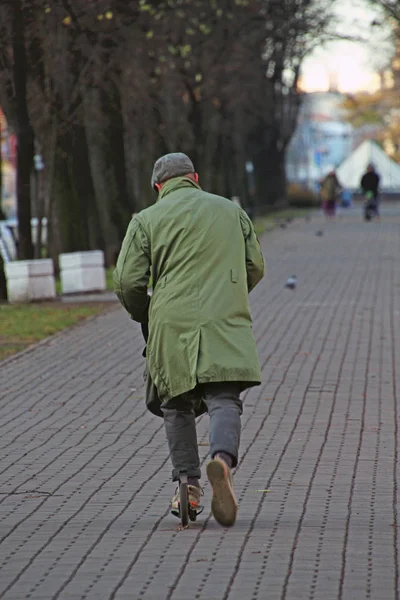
223, 505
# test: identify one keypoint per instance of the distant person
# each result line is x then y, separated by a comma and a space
330, 190
370, 184
204, 258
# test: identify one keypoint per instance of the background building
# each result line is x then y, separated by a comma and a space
323, 139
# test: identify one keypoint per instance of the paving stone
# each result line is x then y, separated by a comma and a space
85, 475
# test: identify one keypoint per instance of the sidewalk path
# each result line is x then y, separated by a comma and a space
85, 476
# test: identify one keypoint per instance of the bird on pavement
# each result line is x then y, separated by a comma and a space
291, 282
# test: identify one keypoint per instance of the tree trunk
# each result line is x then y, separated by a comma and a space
2, 215
107, 164
270, 178
196, 123
239, 155
71, 188
210, 155
276, 174
268, 158
49, 150
40, 212
3, 285
25, 137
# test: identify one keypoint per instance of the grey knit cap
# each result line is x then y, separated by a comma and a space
171, 165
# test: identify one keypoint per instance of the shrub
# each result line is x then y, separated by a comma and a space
302, 197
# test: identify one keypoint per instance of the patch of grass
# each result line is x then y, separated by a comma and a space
271, 220
22, 325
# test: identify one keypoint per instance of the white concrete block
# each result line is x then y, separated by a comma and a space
29, 280
82, 272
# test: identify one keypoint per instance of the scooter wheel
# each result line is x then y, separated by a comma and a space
184, 503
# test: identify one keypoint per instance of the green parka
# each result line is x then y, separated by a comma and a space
203, 257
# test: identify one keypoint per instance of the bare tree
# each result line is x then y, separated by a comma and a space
14, 75
112, 85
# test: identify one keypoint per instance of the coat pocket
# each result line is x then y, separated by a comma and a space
233, 275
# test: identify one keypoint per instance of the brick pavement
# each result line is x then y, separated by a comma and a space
84, 471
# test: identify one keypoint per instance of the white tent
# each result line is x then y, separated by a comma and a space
352, 169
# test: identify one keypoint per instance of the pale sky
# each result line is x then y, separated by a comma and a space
354, 64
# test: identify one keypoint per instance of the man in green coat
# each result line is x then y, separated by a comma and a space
204, 258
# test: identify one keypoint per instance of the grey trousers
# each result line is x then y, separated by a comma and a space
224, 408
